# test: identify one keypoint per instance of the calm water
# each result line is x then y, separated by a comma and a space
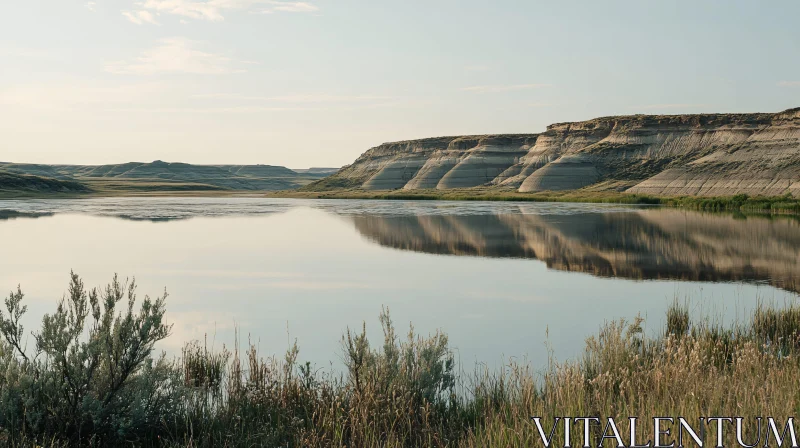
497, 277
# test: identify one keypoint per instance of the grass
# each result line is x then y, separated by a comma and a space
14, 186
135, 186
740, 202
786, 204
737, 203
474, 194
396, 392
24, 184
158, 176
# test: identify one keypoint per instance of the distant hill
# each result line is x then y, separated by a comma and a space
33, 170
25, 183
697, 155
159, 175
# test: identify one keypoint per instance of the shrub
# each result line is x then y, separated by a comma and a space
90, 380
87, 383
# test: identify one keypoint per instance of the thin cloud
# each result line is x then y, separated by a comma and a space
28, 53
210, 10
328, 98
289, 7
235, 102
789, 84
503, 88
215, 10
140, 17
308, 98
73, 95
175, 55
214, 110
151, 97
672, 106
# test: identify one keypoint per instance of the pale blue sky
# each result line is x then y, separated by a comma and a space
316, 83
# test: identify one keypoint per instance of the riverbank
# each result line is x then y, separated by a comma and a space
739, 203
106, 390
744, 203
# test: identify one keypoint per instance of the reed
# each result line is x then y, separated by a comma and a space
396, 392
740, 203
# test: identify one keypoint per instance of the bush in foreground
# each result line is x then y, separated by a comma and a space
86, 382
91, 380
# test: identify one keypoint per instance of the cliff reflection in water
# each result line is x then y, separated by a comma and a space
643, 244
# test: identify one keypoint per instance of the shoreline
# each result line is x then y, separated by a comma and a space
739, 203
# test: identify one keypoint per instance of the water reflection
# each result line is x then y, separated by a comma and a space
640, 244
279, 269
147, 209
604, 240
6, 215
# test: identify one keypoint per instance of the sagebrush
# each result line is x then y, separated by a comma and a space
90, 378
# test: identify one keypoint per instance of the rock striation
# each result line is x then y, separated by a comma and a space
703, 155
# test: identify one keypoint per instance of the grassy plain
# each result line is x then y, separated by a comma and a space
26, 186
140, 188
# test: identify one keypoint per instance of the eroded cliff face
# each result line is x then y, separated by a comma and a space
705, 155
643, 244
444, 162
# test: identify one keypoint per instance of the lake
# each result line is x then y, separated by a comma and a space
502, 279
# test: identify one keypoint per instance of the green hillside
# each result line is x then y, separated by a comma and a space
26, 183
155, 176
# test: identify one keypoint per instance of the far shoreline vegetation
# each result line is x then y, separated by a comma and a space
91, 377
44, 188
740, 202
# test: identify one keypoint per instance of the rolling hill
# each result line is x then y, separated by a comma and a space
160, 176
30, 184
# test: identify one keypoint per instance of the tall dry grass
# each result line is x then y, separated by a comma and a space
407, 392
697, 371
693, 370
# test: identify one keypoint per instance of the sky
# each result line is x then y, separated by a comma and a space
318, 82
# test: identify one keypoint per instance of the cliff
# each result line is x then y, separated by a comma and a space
705, 155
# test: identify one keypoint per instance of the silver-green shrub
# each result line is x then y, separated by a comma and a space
90, 377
